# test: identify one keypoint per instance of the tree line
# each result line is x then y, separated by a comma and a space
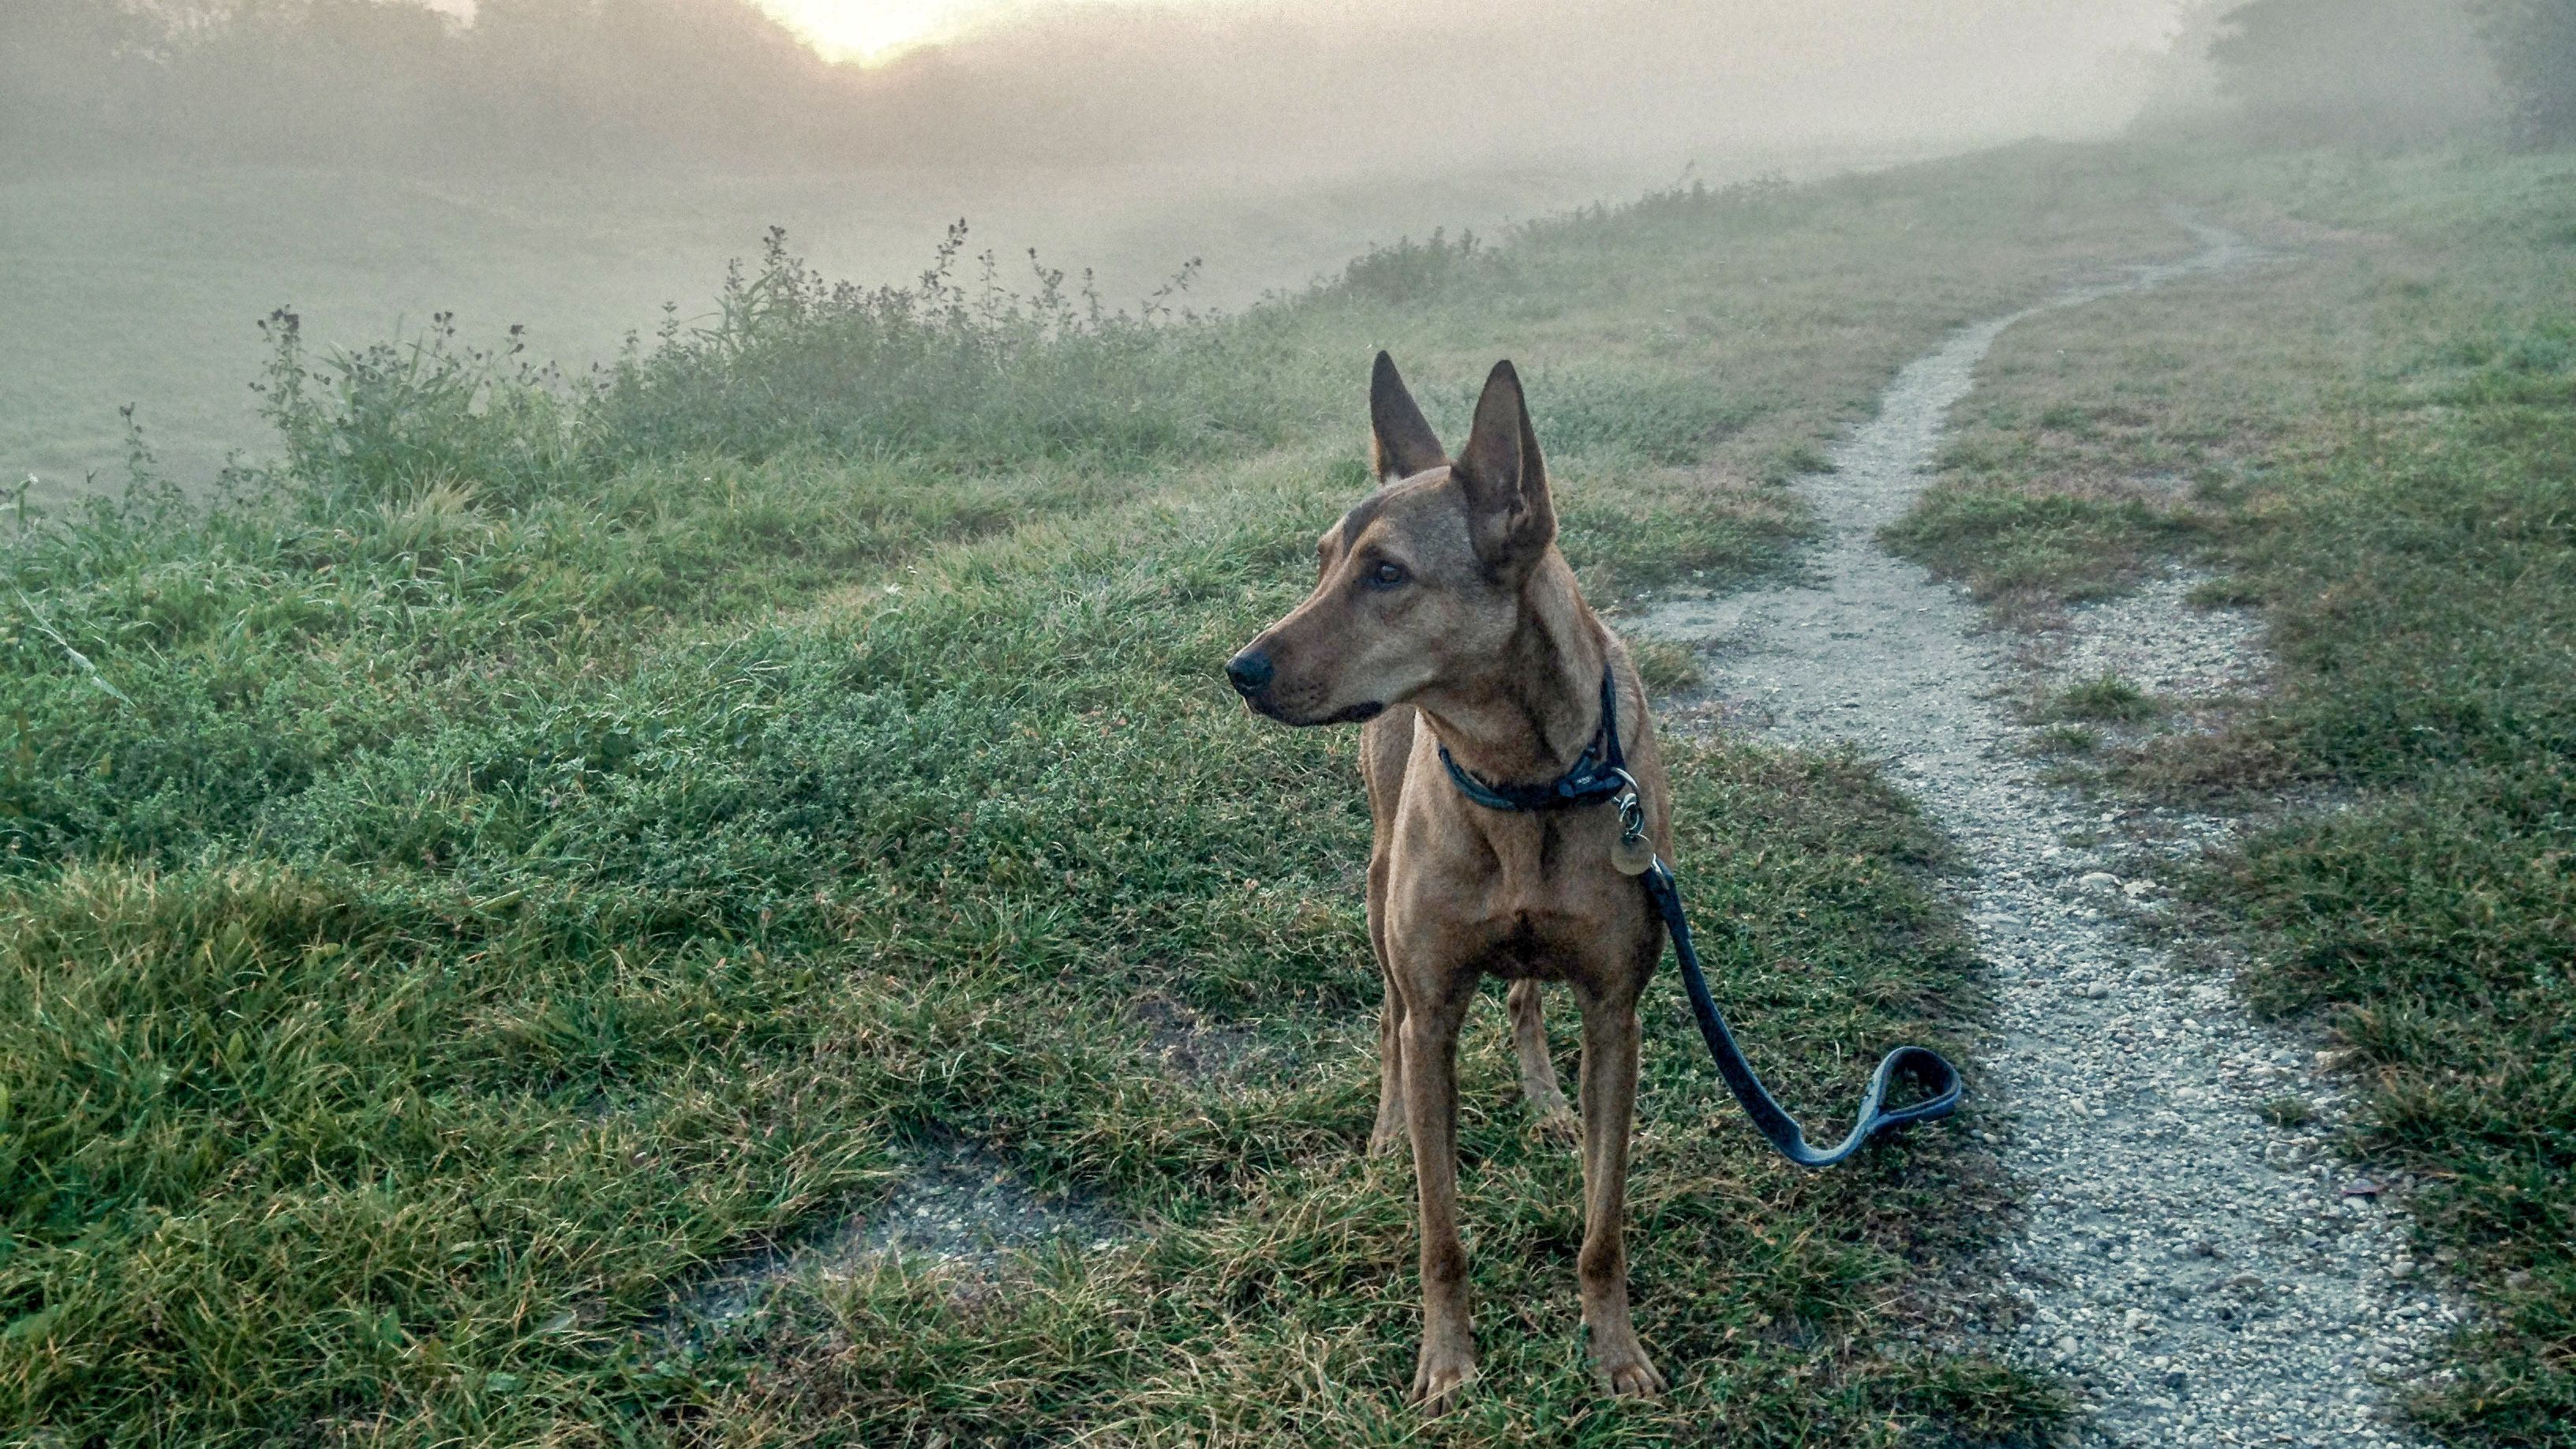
400, 82
372, 81
2315, 71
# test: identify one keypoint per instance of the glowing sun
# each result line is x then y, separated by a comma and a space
866, 30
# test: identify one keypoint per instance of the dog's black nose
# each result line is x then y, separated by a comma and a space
1250, 670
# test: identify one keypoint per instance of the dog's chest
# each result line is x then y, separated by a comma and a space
1533, 896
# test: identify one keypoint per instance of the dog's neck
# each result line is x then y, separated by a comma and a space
1527, 717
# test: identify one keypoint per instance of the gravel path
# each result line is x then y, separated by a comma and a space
2205, 1276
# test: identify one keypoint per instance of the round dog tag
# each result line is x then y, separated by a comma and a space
1633, 854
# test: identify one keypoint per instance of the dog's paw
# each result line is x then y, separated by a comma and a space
1559, 1125
1388, 1141
1623, 1368
1440, 1376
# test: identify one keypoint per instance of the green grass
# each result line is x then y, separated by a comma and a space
2104, 699
2370, 440
2067, 739
533, 843
2288, 1111
2023, 550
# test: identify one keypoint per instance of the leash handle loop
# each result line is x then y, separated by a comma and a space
1927, 1068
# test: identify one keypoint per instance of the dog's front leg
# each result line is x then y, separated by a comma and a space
1609, 1093
1448, 1358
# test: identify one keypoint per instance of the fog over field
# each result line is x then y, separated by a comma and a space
573, 166
144, 287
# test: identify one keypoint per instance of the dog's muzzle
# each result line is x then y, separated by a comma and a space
1250, 672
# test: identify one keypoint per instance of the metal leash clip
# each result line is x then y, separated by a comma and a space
1632, 855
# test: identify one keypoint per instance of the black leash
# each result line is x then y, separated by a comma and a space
1601, 777
1927, 1068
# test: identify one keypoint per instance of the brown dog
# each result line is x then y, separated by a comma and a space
1445, 616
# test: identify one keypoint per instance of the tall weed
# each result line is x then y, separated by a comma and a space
975, 373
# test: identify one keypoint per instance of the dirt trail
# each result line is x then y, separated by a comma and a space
2204, 1275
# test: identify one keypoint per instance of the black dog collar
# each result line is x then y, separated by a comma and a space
1599, 777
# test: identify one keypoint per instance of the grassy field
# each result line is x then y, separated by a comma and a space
527, 848
2371, 439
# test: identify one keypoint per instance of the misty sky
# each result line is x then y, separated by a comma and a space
1938, 71
1788, 30
873, 30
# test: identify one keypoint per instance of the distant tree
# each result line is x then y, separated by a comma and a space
310, 81
692, 77
2356, 70
2534, 43
69, 74
2181, 87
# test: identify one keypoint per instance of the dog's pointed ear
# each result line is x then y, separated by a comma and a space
1512, 518
1401, 442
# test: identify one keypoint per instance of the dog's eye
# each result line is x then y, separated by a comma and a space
1386, 576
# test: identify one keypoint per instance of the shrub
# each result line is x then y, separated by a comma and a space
2376, 71
1410, 271
375, 427
978, 374
2106, 698
2534, 42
